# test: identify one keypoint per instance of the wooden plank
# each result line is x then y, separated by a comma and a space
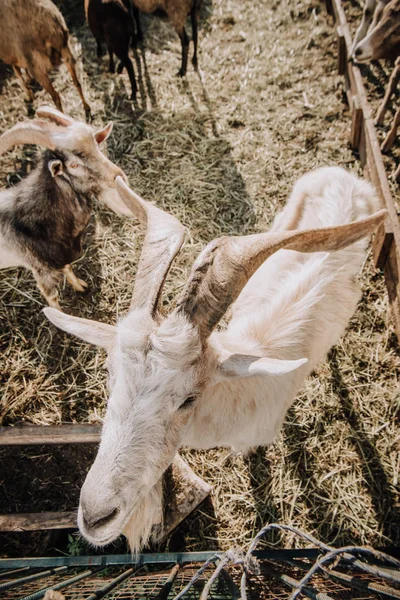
38, 521
72, 433
342, 51
357, 124
392, 270
189, 490
381, 246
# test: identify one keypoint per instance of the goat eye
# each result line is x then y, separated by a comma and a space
74, 166
188, 402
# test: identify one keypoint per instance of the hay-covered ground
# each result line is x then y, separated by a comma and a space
221, 153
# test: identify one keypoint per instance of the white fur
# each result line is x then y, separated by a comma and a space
295, 307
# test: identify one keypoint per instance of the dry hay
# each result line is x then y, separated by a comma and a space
221, 154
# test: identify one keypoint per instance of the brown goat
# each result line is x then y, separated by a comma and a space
383, 41
35, 37
177, 12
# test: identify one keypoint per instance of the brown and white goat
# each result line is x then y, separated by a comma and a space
177, 12
383, 42
175, 381
43, 218
35, 38
111, 22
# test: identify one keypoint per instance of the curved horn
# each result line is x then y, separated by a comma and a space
164, 238
227, 263
28, 132
54, 115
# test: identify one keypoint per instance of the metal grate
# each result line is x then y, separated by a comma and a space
319, 573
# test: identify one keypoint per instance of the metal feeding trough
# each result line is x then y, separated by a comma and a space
319, 573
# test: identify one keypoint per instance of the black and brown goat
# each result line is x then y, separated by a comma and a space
43, 218
111, 22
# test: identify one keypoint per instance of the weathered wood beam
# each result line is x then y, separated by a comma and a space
386, 245
27, 435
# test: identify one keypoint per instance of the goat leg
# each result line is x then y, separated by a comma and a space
71, 64
393, 81
185, 50
79, 285
27, 89
111, 63
127, 63
46, 281
37, 68
193, 17
138, 36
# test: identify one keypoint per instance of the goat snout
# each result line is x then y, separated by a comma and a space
95, 520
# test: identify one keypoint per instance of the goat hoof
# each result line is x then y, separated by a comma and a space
80, 285
54, 303
181, 73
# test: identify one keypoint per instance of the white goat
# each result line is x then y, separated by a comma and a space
175, 382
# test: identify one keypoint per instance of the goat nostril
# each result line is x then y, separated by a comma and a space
94, 522
358, 52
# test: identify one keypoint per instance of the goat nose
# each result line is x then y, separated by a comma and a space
357, 52
93, 521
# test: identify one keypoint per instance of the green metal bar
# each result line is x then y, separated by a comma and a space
14, 571
111, 585
58, 586
21, 580
144, 559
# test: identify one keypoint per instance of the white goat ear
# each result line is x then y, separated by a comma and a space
243, 365
102, 134
93, 332
55, 167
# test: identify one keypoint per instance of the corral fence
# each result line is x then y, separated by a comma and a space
319, 572
363, 138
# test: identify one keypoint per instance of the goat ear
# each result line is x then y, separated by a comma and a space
55, 167
102, 134
244, 365
93, 332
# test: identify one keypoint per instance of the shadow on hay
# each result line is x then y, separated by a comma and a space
197, 532
185, 167
6, 73
384, 502
259, 467
321, 513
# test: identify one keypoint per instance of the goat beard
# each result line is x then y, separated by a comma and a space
146, 520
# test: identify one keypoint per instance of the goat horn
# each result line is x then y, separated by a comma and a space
163, 240
28, 132
49, 112
227, 263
